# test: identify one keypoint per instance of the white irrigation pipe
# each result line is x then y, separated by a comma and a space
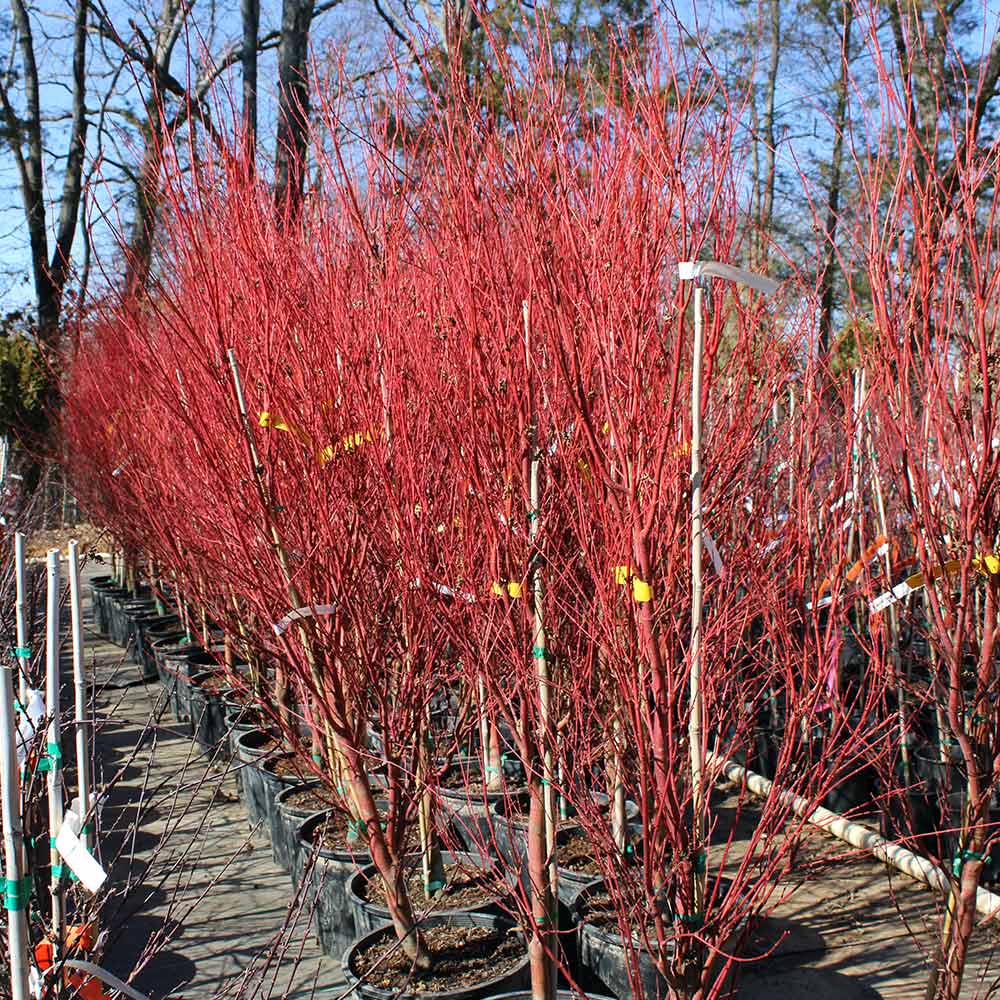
20, 606
16, 889
987, 903
79, 691
53, 749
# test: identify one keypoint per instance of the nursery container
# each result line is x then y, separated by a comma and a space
602, 956
273, 781
208, 720
286, 818
469, 806
324, 874
516, 978
169, 627
251, 749
138, 646
369, 914
194, 663
122, 611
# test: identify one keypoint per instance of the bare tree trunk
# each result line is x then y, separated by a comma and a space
836, 181
49, 275
250, 12
293, 104
766, 201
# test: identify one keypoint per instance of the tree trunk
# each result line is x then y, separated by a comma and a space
250, 12
833, 191
293, 105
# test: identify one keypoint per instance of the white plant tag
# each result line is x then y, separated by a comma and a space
72, 850
299, 613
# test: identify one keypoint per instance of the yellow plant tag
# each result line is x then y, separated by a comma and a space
622, 574
641, 591
513, 589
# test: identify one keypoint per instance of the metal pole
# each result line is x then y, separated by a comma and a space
695, 723
53, 748
16, 887
79, 692
20, 606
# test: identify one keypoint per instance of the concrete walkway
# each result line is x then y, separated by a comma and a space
197, 901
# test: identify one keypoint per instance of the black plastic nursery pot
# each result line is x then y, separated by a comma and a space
169, 627
252, 748
372, 913
172, 666
323, 874
207, 700
497, 946
193, 663
560, 995
278, 772
139, 649
166, 653
293, 805
123, 613
102, 598
467, 805
602, 956
99, 586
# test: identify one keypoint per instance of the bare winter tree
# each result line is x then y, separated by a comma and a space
50, 263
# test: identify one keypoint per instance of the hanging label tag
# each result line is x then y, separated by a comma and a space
299, 613
72, 850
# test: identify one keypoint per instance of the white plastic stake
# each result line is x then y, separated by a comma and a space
53, 748
15, 889
79, 688
20, 606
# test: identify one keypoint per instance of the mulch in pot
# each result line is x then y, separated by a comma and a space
463, 957
576, 853
309, 800
466, 887
331, 835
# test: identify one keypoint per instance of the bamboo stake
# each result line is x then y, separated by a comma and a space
695, 723
540, 652
54, 748
17, 884
79, 693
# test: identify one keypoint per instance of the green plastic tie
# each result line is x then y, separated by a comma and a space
962, 856
22, 651
435, 885
317, 758
52, 843
541, 652
629, 848
545, 920
692, 919
58, 871
532, 515
15, 897
700, 864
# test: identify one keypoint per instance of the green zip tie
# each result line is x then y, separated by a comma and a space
490, 769
44, 764
544, 920
541, 653
962, 856
629, 848
14, 897
435, 886
58, 871
52, 843
317, 758
699, 865
23, 651
54, 751
692, 919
